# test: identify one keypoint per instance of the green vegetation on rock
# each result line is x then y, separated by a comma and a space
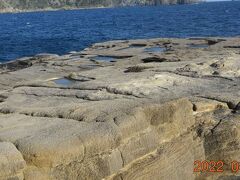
25, 5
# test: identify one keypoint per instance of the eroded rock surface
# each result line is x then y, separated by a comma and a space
140, 109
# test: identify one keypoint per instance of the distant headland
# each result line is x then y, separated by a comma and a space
36, 5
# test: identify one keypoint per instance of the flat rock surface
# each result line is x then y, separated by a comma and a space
137, 109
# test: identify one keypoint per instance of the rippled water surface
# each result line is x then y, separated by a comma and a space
59, 32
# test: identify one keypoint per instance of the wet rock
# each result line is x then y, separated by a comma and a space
16, 65
135, 69
153, 59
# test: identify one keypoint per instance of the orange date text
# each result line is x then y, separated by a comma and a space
208, 166
215, 166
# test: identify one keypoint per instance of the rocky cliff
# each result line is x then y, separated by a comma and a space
22, 5
123, 110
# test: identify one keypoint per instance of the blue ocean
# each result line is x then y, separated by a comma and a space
27, 34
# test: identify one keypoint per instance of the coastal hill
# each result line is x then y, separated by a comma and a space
26, 5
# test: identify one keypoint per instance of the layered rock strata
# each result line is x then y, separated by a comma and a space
139, 109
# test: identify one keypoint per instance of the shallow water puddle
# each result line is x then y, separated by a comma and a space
155, 49
132, 46
137, 45
110, 58
64, 82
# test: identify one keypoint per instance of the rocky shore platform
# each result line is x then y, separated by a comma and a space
123, 110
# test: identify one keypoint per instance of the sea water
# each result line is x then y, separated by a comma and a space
59, 32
